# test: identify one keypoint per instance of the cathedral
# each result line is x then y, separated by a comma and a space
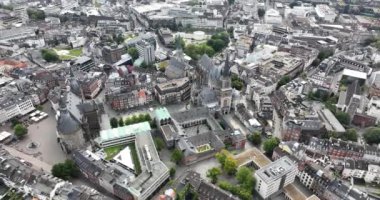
213, 86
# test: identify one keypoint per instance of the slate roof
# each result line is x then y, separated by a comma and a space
66, 124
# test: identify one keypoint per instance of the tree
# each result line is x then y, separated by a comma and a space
231, 31
230, 165
343, 117
350, 135
294, 3
119, 39
39, 107
114, 122
222, 156
230, 2
172, 172
160, 144
65, 170
176, 156
245, 178
20, 130
36, 14
121, 122
372, 135
255, 138
323, 54
217, 44
283, 81
49, 55
133, 53
179, 42
261, 12
270, 144
213, 174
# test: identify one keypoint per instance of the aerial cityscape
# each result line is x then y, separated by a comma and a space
189, 99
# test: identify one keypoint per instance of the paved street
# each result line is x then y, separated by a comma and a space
277, 124
37, 164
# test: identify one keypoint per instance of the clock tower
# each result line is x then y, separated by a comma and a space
226, 89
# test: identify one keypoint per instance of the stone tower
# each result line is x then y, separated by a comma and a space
69, 131
226, 89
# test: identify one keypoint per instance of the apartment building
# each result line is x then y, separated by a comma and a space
146, 51
273, 177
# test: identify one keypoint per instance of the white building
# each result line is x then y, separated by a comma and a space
273, 177
325, 13
15, 107
20, 12
272, 16
146, 51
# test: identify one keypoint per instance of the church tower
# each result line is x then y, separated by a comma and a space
226, 89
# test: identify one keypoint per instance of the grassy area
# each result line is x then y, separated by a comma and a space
135, 158
112, 151
203, 148
72, 53
76, 52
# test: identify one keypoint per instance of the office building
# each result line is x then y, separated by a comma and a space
146, 51
275, 176
173, 91
83, 63
112, 54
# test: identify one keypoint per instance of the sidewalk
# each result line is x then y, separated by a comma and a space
37, 164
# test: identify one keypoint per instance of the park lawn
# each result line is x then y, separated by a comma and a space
66, 57
113, 151
75, 52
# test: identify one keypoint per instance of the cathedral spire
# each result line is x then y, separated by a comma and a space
226, 69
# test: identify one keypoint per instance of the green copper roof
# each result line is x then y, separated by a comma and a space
161, 113
125, 131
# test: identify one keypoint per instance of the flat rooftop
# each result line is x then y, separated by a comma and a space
276, 169
252, 155
125, 131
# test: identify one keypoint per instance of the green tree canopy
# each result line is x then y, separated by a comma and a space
372, 135
20, 130
179, 42
213, 174
222, 156
49, 55
159, 142
172, 172
245, 177
343, 117
270, 145
261, 12
114, 122
230, 165
283, 81
350, 135
255, 138
65, 170
133, 53
176, 156
35, 14
121, 122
